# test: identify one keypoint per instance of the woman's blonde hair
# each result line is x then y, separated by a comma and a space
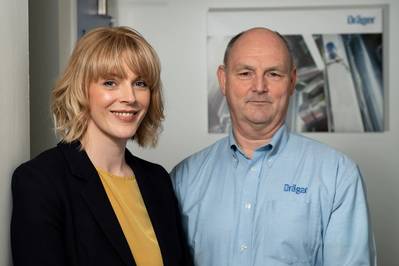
99, 53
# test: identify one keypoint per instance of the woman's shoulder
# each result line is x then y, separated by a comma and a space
47, 163
148, 166
150, 173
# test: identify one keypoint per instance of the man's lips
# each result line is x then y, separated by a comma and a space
259, 101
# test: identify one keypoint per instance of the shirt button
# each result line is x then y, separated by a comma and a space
248, 205
243, 247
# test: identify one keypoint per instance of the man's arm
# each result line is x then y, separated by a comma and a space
348, 240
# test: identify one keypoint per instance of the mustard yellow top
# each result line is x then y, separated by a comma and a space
125, 197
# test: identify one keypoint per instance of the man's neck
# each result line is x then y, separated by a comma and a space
249, 138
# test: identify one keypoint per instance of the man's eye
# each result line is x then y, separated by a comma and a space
140, 83
109, 83
274, 75
245, 74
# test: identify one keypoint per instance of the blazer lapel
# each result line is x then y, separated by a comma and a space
94, 194
151, 201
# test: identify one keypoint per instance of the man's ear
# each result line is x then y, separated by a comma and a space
293, 77
221, 74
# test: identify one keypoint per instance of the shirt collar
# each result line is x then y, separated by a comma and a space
277, 142
279, 139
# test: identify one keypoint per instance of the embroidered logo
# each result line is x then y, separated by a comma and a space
294, 188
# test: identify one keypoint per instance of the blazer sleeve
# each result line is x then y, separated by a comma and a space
36, 222
172, 214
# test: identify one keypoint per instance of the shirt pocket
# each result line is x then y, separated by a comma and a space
294, 231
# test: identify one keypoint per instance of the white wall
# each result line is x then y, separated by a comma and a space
14, 106
44, 68
53, 31
67, 30
177, 30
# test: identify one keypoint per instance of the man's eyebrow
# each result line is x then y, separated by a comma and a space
279, 68
244, 66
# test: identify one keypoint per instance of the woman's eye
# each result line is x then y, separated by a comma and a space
140, 83
109, 83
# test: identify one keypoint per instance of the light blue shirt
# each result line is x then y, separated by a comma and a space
296, 202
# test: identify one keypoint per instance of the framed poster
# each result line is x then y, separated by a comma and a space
338, 52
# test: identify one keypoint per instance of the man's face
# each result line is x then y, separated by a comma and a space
258, 81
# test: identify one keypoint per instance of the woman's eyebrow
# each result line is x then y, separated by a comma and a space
111, 76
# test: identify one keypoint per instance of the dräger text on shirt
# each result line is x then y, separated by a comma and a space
295, 188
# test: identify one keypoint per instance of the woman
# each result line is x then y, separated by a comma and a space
89, 201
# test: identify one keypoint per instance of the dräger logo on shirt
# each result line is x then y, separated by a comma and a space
294, 188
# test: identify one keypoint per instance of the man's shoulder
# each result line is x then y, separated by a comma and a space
213, 149
322, 154
199, 158
311, 145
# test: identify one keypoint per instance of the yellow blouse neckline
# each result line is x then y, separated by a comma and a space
105, 173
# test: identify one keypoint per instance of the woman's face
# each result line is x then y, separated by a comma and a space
117, 106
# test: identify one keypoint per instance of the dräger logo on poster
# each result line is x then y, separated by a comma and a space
360, 20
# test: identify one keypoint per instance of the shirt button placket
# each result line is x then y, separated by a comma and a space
246, 216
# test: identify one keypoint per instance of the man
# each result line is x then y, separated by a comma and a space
263, 196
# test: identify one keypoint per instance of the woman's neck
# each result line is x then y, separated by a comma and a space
106, 154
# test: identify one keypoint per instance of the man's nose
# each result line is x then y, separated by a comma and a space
260, 84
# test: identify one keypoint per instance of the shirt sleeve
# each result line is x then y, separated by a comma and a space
348, 239
36, 223
176, 176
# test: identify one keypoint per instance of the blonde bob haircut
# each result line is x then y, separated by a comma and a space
98, 54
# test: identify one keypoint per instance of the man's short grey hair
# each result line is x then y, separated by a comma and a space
238, 36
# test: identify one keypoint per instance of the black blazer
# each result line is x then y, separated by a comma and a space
62, 216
